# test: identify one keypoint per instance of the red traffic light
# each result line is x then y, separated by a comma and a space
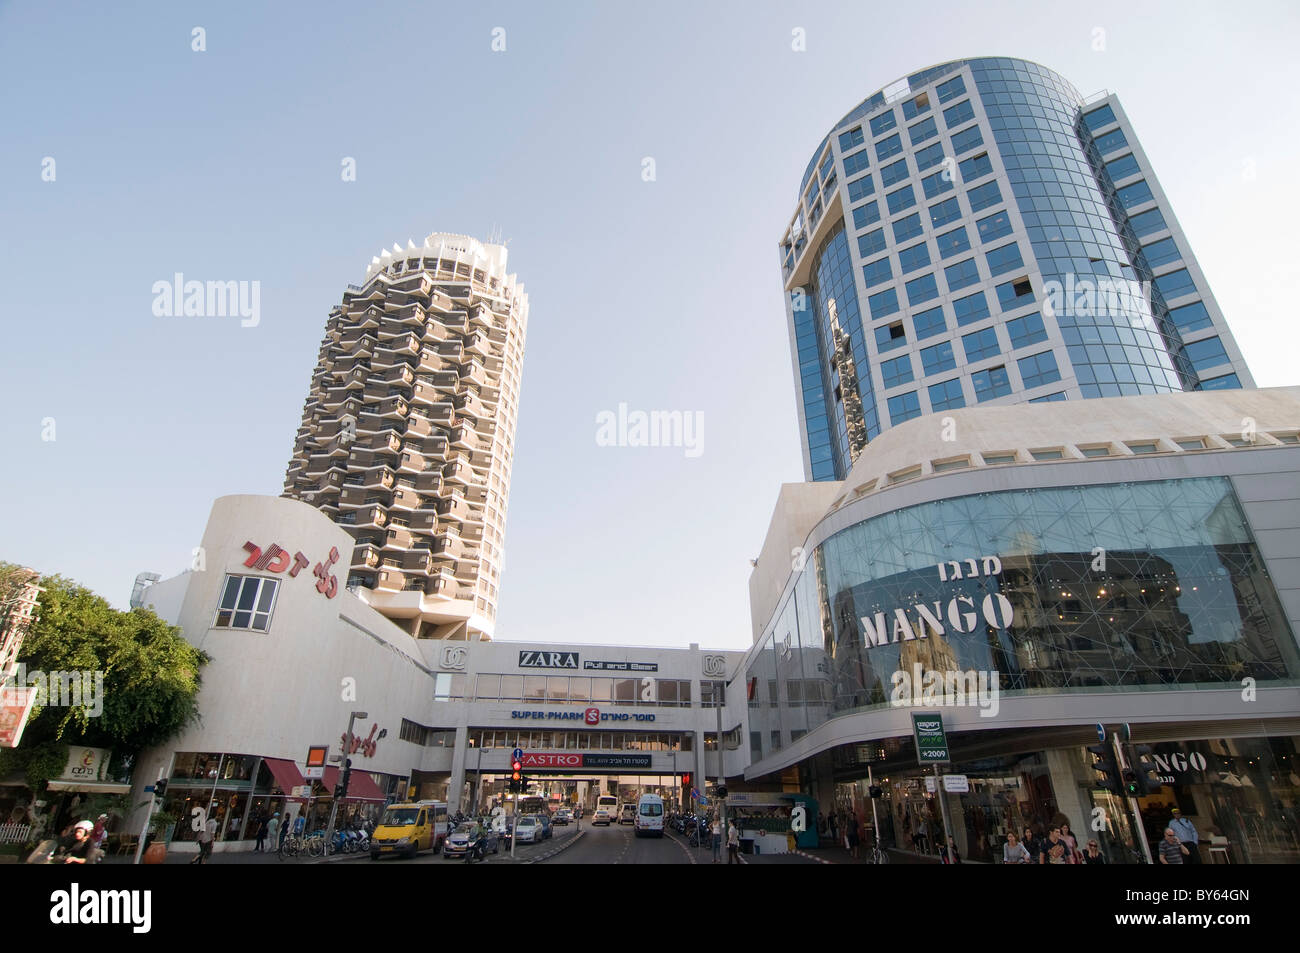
515, 776
686, 780
516, 765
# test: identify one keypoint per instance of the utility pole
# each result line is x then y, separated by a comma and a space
344, 768
1139, 831
720, 695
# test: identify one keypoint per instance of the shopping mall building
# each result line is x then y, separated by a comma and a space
294, 653
1133, 560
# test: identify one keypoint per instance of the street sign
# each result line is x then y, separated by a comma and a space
929, 784
517, 754
931, 741
317, 756
315, 774
1101, 733
956, 783
302, 790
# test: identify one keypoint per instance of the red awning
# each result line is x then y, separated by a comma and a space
360, 785
285, 773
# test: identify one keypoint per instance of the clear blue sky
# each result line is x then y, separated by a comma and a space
225, 165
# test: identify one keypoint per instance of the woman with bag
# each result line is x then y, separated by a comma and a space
1014, 852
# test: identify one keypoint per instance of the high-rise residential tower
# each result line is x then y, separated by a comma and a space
978, 232
408, 431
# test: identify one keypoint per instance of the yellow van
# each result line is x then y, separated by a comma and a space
410, 828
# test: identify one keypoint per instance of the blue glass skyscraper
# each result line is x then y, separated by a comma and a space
978, 232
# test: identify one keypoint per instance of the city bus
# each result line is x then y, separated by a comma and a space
532, 804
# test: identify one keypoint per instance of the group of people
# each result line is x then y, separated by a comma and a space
733, 841
1057, 846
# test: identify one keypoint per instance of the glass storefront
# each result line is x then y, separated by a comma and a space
1138, 585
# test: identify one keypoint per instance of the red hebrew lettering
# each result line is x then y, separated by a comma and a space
255, 553
278, 559
300, 562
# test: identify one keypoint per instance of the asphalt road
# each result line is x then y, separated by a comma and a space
619, 845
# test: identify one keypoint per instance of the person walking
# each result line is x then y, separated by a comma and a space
733, 844
1014, 852
1187, 836
273, 830
833, 827
1172, 849
854, 840
950, 855
206, 837
260, 823
1092, 854
1032, 844
1071, 843
716, 840
1055, 849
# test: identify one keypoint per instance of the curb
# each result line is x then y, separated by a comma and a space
820, 860
679, 843
568, 842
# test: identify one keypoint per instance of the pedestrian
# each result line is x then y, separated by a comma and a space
1055, 849
950, 854
832, 826
1187, 836
1172, 850
1031, 844
206, 837
733, 845
715, 838
1014, 852
273, 830
1071, 843
1092, 854
260, 846
299, 824
851, 825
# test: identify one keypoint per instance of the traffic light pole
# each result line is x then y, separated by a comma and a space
344, 768
1139, 832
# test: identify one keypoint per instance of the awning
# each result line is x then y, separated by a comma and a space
361, 787
285, 773
90, 787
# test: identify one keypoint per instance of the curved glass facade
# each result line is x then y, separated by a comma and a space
1143, 585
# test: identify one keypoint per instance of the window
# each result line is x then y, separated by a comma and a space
1192, 443
947, 395
1206, 354
877, 272
904, 407
990, 384
936, 184
980, 345
1122, 167
1004, 259
1147, 447
871, 243
943, 466
1027, 330
850, 139
246, 603
900, 199
1175, 284
1134, 194
922, 131
952, 243
970, 309
1191, 317
949, 210
906, 228
914, 107
865, 215
975, 167
1014, 294
910, 259
962, 112
860, 188
994, 459
962, 274
937, 359
1047, 454
1095, 451
1099, 118
1227, 382
1111, 141
929, 156
1289, 438
966, 140
889, 147
1147, 223
1161, 253
883, 303
856, 162
892, 173
896, 372
1038, 369
883, 123
926, 324
983, 196
921, 290
825, 170
890, 336
994, 226
950, 90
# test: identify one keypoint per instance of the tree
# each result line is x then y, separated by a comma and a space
150, 678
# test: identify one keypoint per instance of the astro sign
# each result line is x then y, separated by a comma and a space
959, 614
563, 760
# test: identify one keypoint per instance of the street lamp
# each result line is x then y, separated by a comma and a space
344, 767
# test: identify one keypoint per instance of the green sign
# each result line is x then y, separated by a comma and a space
931, 742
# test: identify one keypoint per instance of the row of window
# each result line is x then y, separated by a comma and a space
1036, 370
577, 690
957, 276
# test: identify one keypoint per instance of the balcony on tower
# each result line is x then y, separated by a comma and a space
474, 372
371, 517
365, 556
384, 443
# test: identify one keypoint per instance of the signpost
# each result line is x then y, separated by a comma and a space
932, 748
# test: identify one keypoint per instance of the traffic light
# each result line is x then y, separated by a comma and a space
1108, 776
160, 787
875, 792
523, 785
686, 780
721, 791
516, 776
341, 789
1130, 782
1144, 770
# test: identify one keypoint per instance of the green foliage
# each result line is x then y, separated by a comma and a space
151, 676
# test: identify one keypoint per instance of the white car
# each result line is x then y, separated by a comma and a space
602, 816
529, 829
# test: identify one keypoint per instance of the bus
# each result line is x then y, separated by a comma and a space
532, 804
606, 810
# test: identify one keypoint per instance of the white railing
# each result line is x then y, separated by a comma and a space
15, 833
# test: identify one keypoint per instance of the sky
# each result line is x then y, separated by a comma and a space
120, 427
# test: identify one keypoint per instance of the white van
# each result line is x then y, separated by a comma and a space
650, 815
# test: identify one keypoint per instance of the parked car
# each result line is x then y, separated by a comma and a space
471, 838
547, 831
529, 830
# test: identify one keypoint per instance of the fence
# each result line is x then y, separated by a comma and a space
15, 833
